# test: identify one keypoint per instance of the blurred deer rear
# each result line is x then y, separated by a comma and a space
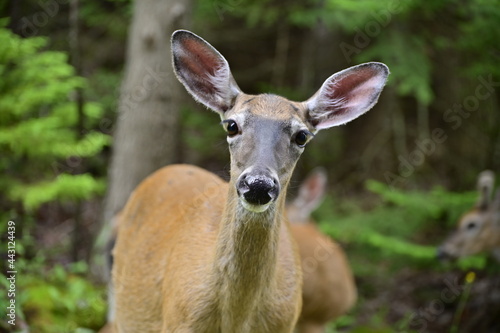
328, 288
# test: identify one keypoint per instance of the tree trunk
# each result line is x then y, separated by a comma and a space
145, 135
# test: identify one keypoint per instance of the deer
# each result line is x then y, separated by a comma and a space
196, 254
478, 230
329, 290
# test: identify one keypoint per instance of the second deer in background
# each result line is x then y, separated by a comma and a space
479, 229
329, 290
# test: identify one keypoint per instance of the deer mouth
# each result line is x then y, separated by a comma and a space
444, 256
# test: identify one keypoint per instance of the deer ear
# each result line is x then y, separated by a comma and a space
203, 71
485, 184
311, 193
346, 95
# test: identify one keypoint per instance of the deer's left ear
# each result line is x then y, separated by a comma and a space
346, 95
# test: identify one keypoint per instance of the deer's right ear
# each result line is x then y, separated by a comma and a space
203, 71
485, 184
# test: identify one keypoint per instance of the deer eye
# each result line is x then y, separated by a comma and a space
231, 127
471, 225
302, 137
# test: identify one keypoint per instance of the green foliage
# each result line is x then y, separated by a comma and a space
351, 16
368, 23
400, 229
197, 134
64, 187
200, 133
402, 34
478, 39
38, 122
57, 300
411, 68
114, 19
103, 86
264, 12
341, 323
433, 205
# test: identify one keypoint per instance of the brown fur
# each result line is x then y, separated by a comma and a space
328, 286
185, 273
108, 328
329, 290
467, 240
479, 229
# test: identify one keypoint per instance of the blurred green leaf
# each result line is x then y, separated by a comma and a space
41, 148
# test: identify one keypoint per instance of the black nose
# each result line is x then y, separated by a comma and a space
258, 189
441, 254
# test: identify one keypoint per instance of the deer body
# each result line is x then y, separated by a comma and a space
210, 282
194, 254
328, 289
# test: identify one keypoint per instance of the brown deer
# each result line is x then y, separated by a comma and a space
479, 229
329, 290
196, 254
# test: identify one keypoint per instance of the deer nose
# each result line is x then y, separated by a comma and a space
441, 254
258, 188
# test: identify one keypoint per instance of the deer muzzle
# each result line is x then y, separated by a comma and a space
257, 190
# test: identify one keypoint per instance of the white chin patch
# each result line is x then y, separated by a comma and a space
255, 208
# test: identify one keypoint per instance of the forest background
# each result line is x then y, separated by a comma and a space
89, 106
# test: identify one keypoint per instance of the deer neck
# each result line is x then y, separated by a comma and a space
246, 257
